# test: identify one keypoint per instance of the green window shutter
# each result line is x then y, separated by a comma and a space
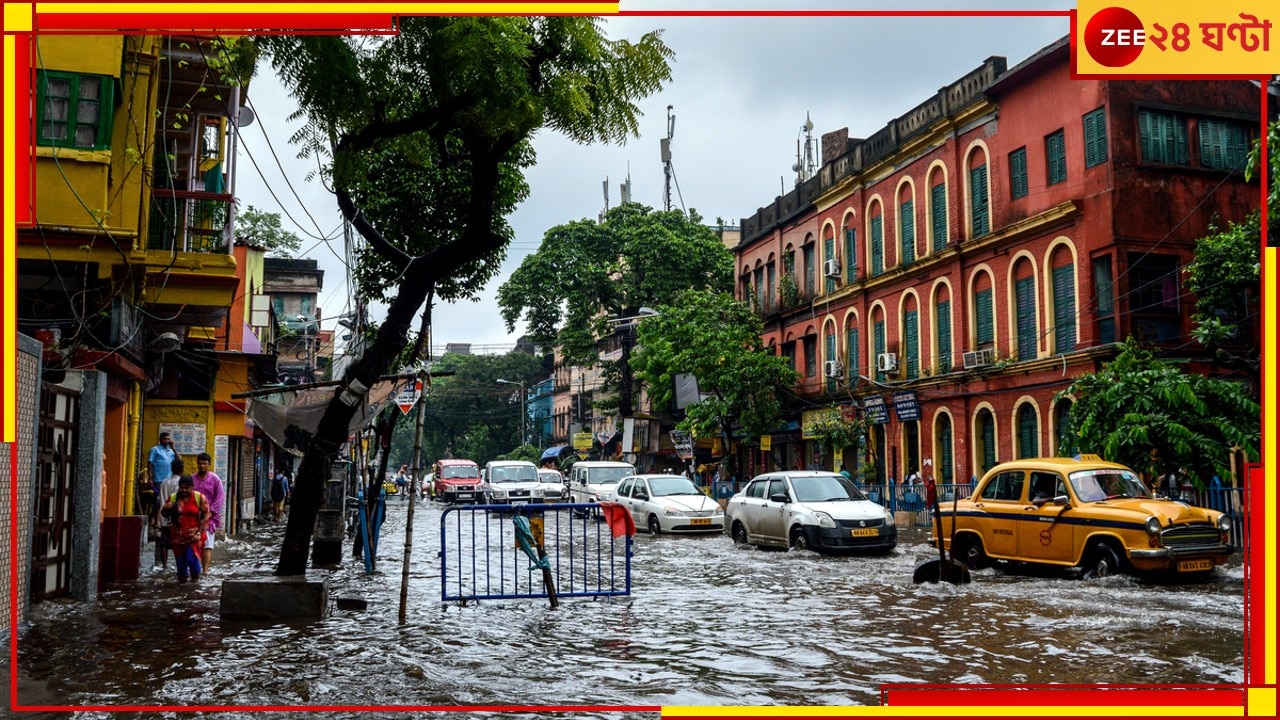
987, 427
946, 468
1162, 138
1147, 135
907, 232
1018, 173
938, 201
1028, 433
1095, 138
278, 303
911, 323
978, 201
853, 353
877, 245
810, 273
942, 318
1055, 152
771, 287
831, 355
878, 330
74, 111
850, 254
1025, 310
829, 253
1064, 309
1223, 145
986, 322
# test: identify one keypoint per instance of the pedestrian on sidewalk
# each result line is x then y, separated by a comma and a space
160, 521
208, 483
188, 513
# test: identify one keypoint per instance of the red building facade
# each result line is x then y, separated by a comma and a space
951, 274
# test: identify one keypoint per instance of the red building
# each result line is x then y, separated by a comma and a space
968, 261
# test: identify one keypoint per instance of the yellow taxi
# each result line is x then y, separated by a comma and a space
1085, 514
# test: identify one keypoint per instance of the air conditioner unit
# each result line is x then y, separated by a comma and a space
977, 359
887, 362
831, 269
833, 369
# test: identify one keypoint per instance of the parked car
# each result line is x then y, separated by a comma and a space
457, 481
1087, 515
553, 487
809, 509
669, 504
511, 481
595, 480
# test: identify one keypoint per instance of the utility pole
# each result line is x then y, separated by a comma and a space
666, 158
524, 407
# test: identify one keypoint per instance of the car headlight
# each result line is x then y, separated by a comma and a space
824, 520
672, 512
500, 494
1224, 523
1153, 525
888, 518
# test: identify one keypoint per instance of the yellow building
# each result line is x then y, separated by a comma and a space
128, 274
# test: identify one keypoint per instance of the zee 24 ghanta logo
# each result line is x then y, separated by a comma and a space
1115, 37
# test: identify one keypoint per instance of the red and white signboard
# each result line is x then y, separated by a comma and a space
409, 397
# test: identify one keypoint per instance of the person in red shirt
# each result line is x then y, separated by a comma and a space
188, 513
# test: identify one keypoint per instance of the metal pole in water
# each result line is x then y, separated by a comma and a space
412, 489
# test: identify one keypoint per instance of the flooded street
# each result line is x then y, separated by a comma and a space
707, 624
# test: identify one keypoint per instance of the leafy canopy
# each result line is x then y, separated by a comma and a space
586, 273
1155, 418
263, 229
717, 338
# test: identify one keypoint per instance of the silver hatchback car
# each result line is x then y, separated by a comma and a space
809, 509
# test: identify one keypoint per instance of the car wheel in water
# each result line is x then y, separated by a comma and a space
738, 533
969, 551
1102, 562
655, 527
799, 540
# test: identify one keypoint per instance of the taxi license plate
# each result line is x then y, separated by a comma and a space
1195, 565
869, 532
700, 521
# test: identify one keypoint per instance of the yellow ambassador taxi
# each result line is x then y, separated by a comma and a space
1085, 514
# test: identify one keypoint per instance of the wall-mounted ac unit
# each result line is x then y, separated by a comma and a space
977, 359
833, 369
887, 362
831, 269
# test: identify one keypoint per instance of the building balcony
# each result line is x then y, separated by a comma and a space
190, 221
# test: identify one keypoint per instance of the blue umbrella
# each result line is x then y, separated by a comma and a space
553, 452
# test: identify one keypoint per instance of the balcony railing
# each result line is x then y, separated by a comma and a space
190, 221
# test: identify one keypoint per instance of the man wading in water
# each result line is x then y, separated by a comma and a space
188, 514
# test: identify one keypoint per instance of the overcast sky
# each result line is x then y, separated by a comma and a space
740, 93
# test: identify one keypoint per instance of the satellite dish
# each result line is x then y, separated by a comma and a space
245, 118
166, 342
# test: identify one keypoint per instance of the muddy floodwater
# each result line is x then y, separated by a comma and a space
707, 623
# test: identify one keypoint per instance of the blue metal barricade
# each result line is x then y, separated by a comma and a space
480, 558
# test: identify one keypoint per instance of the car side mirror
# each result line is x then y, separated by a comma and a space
1062, 500
779, 498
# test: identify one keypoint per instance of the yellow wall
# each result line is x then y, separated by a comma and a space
195, 412
91, 191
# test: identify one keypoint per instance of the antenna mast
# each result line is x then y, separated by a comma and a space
806, 152
666, 158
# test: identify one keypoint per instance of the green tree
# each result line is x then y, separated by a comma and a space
264, 230
1142, 412
717, 339
456, 100
1225, 276
586, 274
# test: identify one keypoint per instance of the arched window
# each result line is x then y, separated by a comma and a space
945, 471
877, 241
906, 227
938, 210
852, 353
979, 198
983, 313
942, 331
986, 441
1028, 432
911, 340
878, 340
1024, 303
828, 254
850, 252
1064, 301
1062, 424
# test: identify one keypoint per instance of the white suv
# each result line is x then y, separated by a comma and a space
511, 481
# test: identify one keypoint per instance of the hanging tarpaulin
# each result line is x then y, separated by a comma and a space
291, 419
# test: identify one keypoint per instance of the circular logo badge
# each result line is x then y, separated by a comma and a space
1114, 37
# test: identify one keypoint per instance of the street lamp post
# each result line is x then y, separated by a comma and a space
524, 407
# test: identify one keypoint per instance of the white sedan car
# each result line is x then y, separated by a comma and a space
808, 509
669, 504
553, 488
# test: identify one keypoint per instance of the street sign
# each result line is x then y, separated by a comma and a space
683, 443
409, 397
582, 441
